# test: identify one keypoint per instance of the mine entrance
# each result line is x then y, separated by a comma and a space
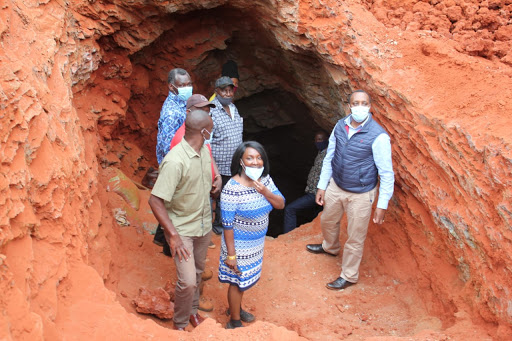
286, 93
275, 85
283, 124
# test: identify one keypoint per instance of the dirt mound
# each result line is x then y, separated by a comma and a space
481, 28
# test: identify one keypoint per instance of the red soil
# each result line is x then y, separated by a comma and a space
291, 292
81, 85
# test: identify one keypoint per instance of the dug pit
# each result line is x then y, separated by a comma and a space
82, 87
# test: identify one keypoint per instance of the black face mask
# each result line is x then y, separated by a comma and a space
224, 100
322, 145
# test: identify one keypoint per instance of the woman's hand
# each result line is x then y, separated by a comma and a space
261, 188
231, 263
275, 200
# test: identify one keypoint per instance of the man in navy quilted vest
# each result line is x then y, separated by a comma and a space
359, 153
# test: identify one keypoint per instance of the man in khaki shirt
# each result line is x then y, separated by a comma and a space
180, 202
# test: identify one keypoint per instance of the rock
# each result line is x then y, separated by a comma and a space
156, 302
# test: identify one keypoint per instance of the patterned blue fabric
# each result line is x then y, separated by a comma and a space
172, 116
246, 212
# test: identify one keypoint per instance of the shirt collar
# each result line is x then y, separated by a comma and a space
347, 122
176, 99
188, 149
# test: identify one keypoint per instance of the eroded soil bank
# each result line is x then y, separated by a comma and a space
81, 86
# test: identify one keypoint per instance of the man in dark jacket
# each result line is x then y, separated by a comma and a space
359, 153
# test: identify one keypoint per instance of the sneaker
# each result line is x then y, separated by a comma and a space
207, 274
211, 246
244, 315
234, 324
205, 305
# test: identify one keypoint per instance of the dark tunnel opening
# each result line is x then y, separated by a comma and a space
284, 126
280, 92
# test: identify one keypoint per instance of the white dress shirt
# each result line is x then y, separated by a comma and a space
381, 150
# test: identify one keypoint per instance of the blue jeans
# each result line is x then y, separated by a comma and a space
290, 211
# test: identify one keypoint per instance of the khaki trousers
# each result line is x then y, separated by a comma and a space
189, 272
359, 209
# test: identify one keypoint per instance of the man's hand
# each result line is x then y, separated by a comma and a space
378, 217
173, 239
320, 193
216, 187
178, 248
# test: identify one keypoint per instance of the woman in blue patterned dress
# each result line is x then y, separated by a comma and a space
245, 202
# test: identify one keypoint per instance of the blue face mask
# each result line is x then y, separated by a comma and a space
322, 145
207, 141
252, 173
184, 93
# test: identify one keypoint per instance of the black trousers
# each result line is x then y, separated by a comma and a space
217, 223
160, 238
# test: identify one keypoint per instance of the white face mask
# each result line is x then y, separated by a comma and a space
360, 113
252, 172
207, 141
184, 93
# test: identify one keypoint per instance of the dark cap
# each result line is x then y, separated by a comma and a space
198, 101
230, 69
222, 82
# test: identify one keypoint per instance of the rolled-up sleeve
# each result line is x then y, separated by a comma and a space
381, 149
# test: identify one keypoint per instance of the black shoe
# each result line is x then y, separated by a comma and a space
317, 248
234, 324
244, 315
338, 284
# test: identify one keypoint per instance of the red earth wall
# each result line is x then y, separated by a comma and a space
77, 95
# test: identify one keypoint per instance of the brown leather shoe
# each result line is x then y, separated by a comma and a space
205, 305
196, 319
207, 274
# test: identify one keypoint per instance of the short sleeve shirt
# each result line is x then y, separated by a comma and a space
184, 184
227, 135
179, 136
